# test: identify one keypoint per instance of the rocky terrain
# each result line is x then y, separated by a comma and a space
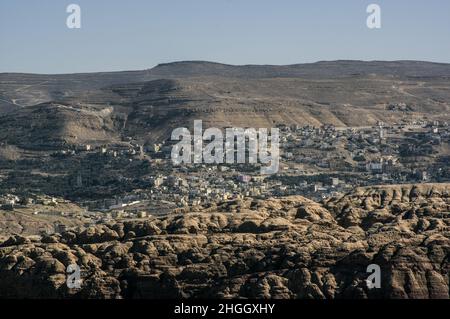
288, 247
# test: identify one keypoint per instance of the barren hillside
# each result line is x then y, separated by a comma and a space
148, 105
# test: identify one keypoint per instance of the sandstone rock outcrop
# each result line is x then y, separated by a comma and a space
277, 248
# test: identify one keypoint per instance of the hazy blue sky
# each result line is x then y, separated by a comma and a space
138, 34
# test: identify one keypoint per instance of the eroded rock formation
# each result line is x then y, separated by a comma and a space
277, 248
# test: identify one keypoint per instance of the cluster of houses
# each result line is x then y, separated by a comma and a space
316, 162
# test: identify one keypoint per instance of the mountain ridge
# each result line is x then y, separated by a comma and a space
213, 63
148, 104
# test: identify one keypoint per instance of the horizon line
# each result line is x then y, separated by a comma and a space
227, 64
